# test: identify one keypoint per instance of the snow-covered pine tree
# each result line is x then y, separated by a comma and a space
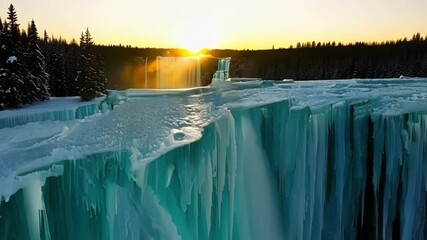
100, 75
29, 85
13, 83
3, 28
12, 76
86, 74
35, 65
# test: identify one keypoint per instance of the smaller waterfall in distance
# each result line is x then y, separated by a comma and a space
178, 72
223, 69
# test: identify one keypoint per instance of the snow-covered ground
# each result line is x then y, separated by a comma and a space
53, 104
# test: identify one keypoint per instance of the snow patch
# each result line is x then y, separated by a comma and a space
11, 59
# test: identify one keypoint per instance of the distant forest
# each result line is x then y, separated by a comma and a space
307, 61
313, 61
34, 68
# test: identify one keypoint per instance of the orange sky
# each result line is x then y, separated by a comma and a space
236, 24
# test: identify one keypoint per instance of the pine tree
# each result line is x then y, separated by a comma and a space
100, 76
3, 29
13, 23
35, 65
12, 78
58, 86
72, 56
29, 86
12, 84
86, 75
45, 37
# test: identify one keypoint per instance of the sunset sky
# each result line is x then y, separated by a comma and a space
236, 24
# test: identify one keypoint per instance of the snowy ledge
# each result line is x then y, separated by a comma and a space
54, 109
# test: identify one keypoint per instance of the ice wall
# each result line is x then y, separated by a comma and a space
188, 193
59, 109
330, 160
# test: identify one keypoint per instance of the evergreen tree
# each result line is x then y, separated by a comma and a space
3, 29
12, 77
35, 65
72, 56
45, 37
87, 75
13, 83
23, 38
100, 76
58, 86
13, 23
28, 86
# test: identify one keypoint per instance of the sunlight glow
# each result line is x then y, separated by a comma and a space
197, 33
223, 24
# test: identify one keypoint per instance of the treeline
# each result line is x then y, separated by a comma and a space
315, 61
306, 61
125, 66
33, 69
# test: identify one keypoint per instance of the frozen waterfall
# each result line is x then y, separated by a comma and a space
178, 72
223, 69
247, 160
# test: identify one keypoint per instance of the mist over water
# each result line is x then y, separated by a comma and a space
258, 196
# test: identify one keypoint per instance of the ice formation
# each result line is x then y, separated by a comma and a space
223, 69
178, 72
254, 160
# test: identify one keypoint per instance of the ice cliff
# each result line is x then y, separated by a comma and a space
256, 160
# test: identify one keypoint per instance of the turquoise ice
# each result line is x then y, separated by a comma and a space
255, 160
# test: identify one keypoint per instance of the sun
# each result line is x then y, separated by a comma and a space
196, 34
196, 42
